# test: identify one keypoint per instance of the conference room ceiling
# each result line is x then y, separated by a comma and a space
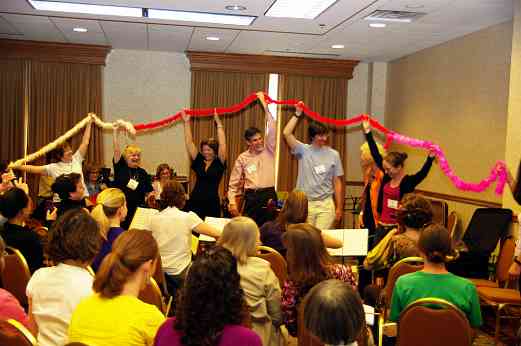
342, 23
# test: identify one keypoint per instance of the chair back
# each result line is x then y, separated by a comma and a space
159, 276
404, 266
277, 262
440, 211
151, 294
433, 322
13, 333
452, 223
16, 274
506, 254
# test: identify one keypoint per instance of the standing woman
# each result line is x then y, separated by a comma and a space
129, 177
208, 164
395, 183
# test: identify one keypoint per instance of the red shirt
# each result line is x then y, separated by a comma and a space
390, 204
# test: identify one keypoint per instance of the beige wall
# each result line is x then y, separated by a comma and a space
144, 86
455, 94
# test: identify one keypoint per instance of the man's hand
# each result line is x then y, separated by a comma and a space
232, 208
338, 216
186, 117
299, 109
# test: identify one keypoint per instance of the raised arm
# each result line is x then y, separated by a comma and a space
84, 146
221, 137
189, 141
115, 143
372, 145
290, 127
422, 173
32, 169
271, 125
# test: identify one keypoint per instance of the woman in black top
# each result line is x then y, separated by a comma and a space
209, 165
395, 183
133, 180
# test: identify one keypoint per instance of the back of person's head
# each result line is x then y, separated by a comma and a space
161, 167
211, 298
240, 236
333, 312
129, 252
414, 212
108, 203
74, 236
435, 243
212, 143
250, 132
13, 202
307, 256
173, 195
65, 184
295, 209
365, 152
396, 159
316, 128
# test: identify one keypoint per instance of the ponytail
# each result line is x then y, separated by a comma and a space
108, 203
101, 218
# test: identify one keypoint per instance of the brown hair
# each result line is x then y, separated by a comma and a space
333, 312
162, 167
173, 195
308, 259
130, 250
74, 236
295, 209
415, 211
212, 143
396, 158
435, 243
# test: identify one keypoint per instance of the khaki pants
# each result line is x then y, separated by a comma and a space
321, 214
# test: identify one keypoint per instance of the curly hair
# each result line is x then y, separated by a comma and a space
74, 236
210, 299
415, 212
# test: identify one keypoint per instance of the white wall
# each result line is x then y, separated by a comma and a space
144, 86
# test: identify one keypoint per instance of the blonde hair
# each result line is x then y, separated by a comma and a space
365, 152
107, 205
131, 149
240, 237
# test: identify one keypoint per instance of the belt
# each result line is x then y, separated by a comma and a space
262, 189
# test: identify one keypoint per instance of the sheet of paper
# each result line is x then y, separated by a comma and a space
354, 240
369, 314
215, 222
142, 217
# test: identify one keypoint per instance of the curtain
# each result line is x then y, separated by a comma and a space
12, 109
61, 94
222, 89
327, 96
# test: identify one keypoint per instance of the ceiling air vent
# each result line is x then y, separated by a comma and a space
394, 16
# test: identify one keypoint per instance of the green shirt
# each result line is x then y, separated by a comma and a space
454, 289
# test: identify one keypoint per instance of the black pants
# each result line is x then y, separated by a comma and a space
255, 202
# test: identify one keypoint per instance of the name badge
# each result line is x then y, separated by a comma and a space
132, 184
392, 203
251, 169
320, 169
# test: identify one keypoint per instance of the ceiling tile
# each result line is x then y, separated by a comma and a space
169, 38
125, 35
200, 43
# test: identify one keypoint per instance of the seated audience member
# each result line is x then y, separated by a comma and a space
114, 315
10, 306
211, 306
295, 210
70, 189
260, 285
164, 173
54, 292
110, 210
308, 264
434, 281
414, 213
15, 206
93, 181
172, 228
334, 313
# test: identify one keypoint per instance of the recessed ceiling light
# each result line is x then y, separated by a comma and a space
337, 46
80, 29
212, 38
235, 8
309, 9
86, 8
201, 17
414, 6
377, 25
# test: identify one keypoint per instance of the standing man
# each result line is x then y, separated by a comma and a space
320, 173
254, 171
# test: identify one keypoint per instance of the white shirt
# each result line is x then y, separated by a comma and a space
172, 229
55, 293
54, 170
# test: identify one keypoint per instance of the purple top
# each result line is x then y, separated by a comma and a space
232, 335
106, 247
271, 235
